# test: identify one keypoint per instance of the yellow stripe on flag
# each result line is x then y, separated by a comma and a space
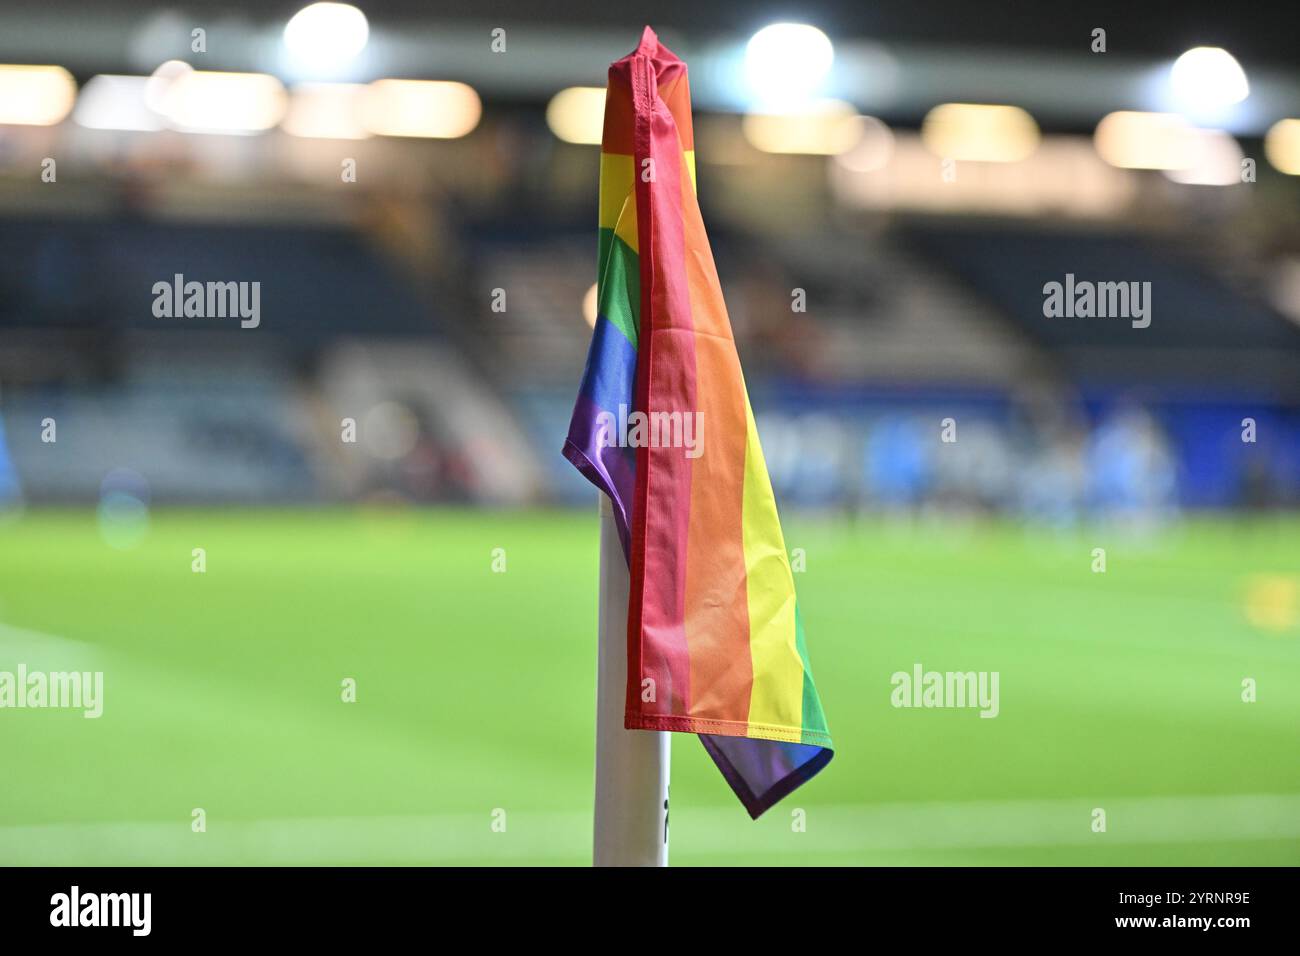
617, 196
776, 700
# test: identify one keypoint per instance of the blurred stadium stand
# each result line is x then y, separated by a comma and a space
1207, 332
924, 298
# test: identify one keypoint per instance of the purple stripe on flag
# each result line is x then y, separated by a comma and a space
607, 382
763, 771
611, 469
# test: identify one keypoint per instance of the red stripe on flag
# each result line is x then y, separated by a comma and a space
657, 647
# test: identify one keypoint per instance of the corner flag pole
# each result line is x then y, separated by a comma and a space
631, 821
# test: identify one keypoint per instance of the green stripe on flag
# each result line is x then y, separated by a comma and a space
620, 285
814, 721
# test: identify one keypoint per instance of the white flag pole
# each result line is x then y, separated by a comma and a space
631, 822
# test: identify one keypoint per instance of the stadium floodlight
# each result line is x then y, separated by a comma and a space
1135, 140
323, 38
1282, 146
198, 101
161, 80
980, 132
1208, 78
429, 109
35, 95
787, 63
116, 103
576, 114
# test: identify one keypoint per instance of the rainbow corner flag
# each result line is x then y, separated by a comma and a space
663, 426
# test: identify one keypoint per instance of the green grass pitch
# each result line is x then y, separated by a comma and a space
1119, 691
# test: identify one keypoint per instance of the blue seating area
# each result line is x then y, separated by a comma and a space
317, 282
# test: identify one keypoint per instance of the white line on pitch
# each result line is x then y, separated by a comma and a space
842, 831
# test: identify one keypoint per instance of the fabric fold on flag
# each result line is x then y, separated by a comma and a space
715, 637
